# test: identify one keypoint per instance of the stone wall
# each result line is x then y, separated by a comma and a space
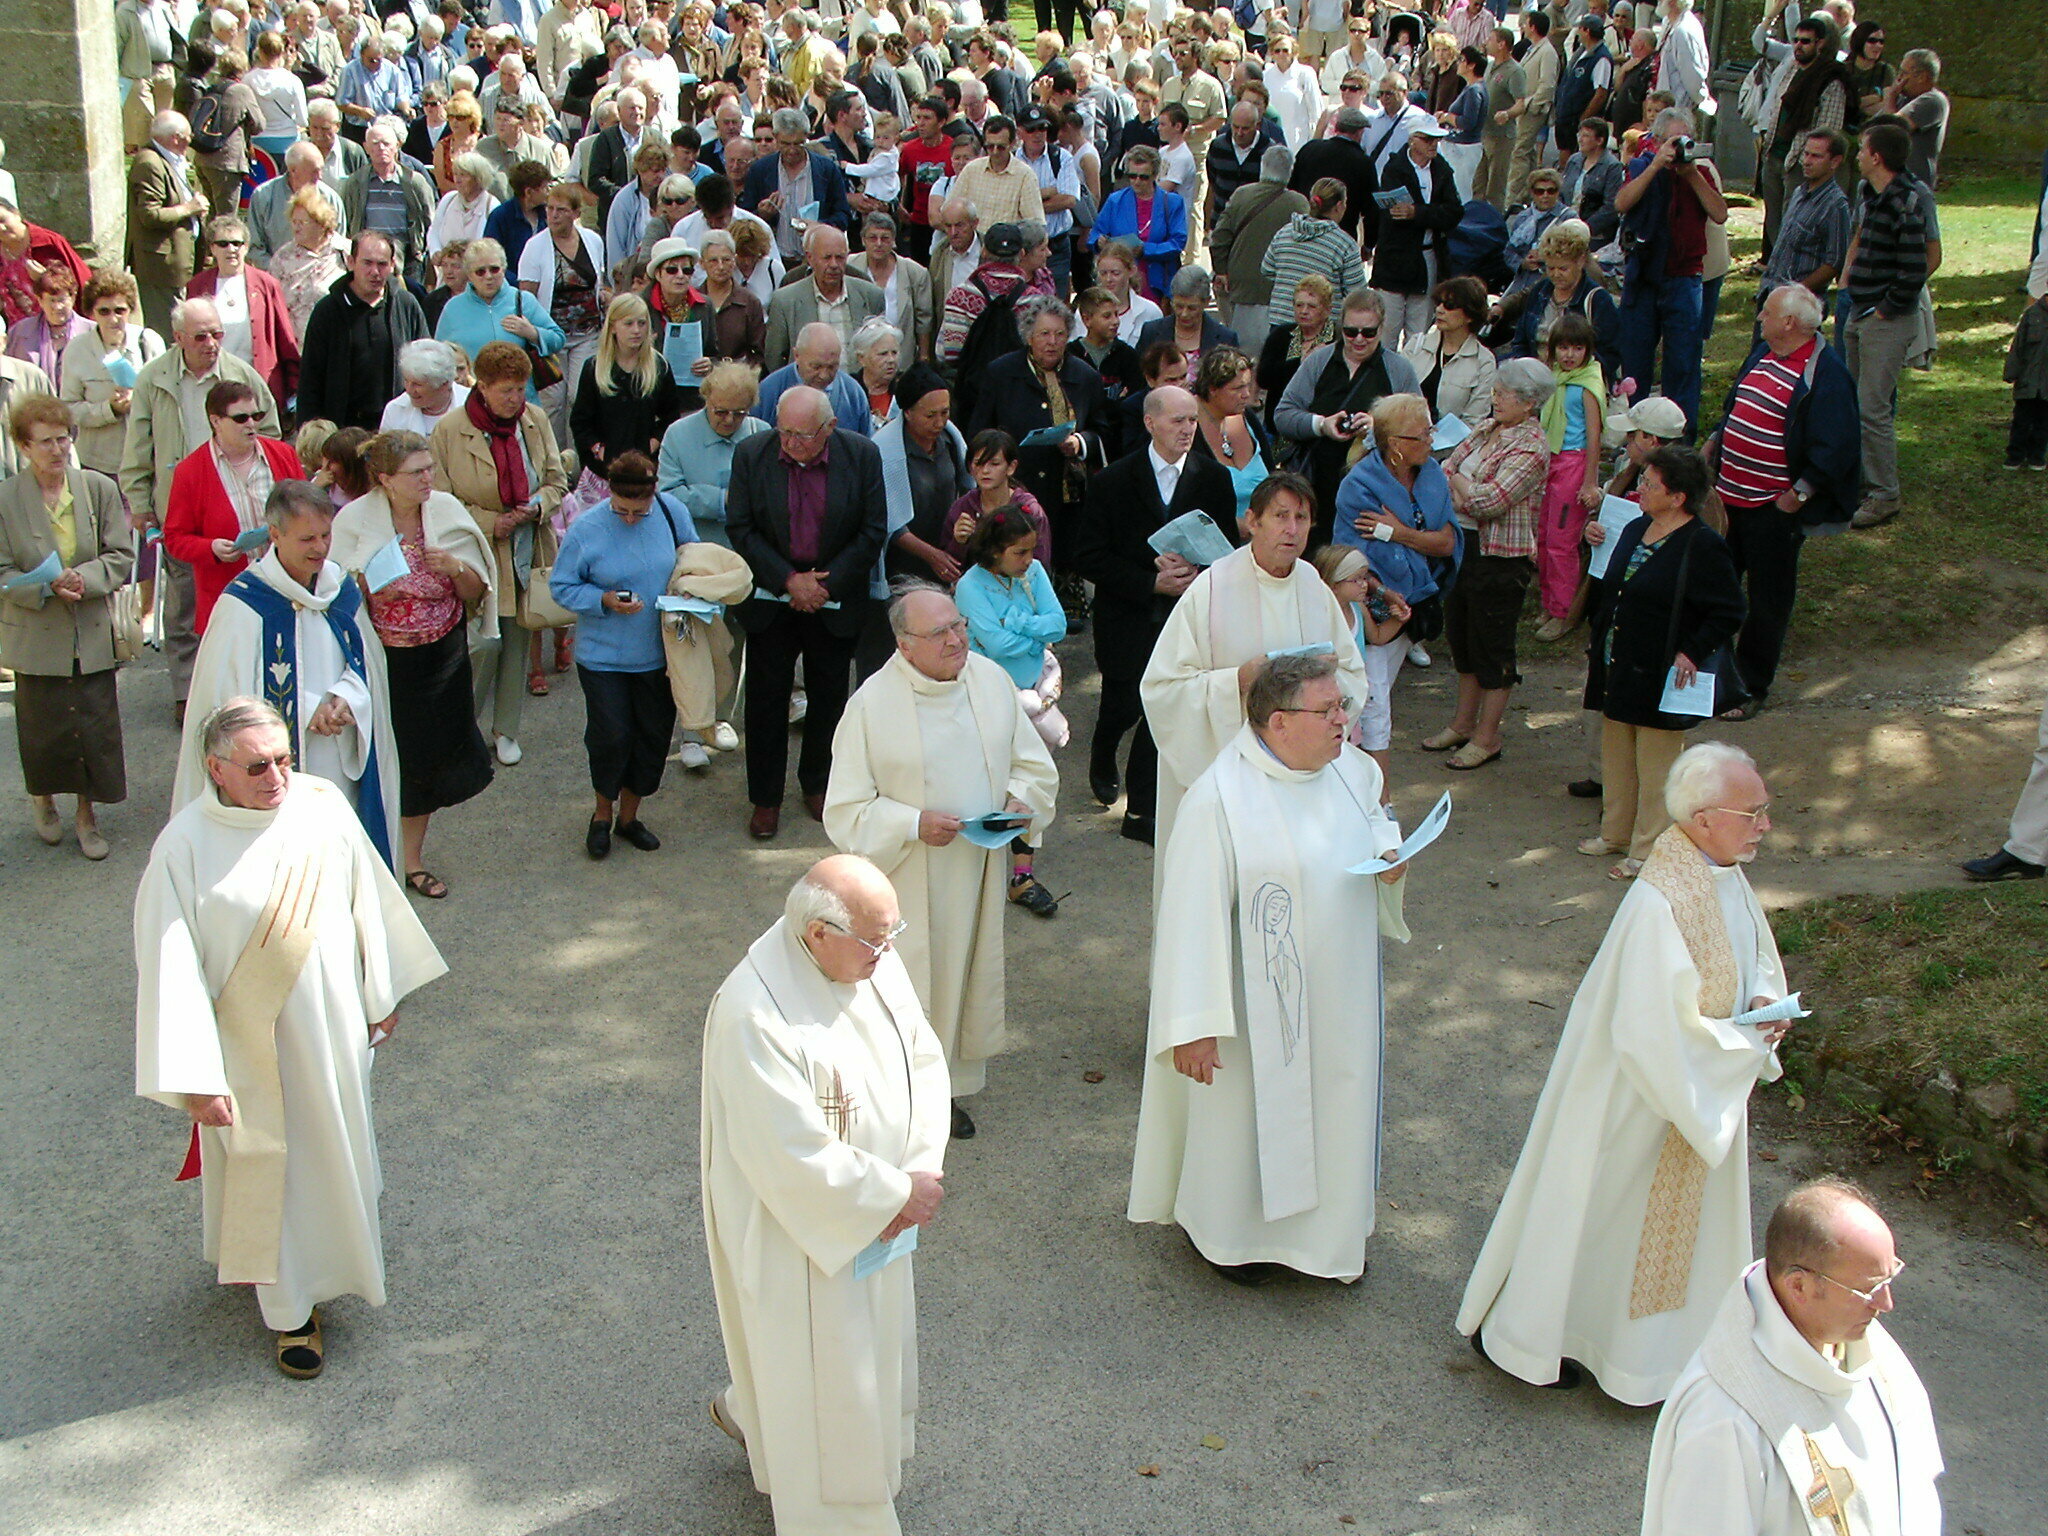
1994, 68
60, 111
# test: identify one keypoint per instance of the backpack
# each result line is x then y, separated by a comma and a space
993, 335
209, 115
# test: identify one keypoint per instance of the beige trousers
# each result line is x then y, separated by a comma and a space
1634, 762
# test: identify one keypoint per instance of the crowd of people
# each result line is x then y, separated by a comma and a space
831, 372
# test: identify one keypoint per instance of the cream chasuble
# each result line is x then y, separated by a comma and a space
1265, 941
231, 663
1763, 1435
909, 743
819, 1099
1628, 1212
1230, 614
212, 875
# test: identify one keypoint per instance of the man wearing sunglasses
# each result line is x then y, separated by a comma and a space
265, 879
1627, 1217
1799, 1413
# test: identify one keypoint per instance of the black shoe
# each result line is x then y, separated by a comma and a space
963, 1123
1569, 1374
1248, 1274
1034, 898
1105, 784
1583, 789
636, 833
597, 842
1137, 828
2001, 866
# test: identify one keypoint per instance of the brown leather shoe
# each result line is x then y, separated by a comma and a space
815, 804
765, 822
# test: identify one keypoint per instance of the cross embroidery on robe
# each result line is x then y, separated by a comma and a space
839, 1106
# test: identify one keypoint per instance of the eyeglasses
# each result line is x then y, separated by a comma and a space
229, 245
1869, 1297
485, 271
1337, 711
110, 309
54, 440
877, 950
957, 628
282, 763
241, 418
1761, 813
1361, 332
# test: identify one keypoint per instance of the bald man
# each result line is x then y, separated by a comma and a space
165, 204
1800, 1414
818, 361
823, 1145
270, 205
807, 510
827, 296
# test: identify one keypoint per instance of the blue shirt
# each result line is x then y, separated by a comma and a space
696, 467
387, 89
472, 324
1011, 622
510, 226
849, 400
603, 553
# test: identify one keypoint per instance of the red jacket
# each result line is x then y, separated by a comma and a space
200, 512
272, 340
46, 248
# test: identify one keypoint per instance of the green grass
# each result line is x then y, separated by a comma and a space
1967, 559
1907, 986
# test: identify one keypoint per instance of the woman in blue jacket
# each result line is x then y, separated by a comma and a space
492, 309
1154, 220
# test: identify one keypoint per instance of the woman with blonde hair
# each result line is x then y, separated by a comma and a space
626, 398
465, 132
313, 260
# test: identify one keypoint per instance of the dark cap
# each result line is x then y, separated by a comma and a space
1005, 242
1034, 117
917, 381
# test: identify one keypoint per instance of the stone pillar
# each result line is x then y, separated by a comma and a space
60, 102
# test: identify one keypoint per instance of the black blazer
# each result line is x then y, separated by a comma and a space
1121, 513
856, 523
1121, 379
1214, 334
1639, 615
1346, 160
1011, 397
1398, 264
610, 169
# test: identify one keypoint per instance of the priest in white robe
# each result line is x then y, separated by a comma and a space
1259, 1130
272, 949
1627, 1216
294, 631
937, 737
824, 1141
1260, 598
1800, 1416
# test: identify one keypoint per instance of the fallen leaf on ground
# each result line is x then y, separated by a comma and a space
1768, 1157
1213, 1442
1091, 1076
1150, 1469
1796, 1102
1346, 1520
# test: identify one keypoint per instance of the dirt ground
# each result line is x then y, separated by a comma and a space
550, 1343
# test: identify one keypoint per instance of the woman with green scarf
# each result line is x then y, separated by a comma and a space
1572, 422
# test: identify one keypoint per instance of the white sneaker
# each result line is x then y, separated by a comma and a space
508, 751
693, 756
1417, 656
724, 738
799, 705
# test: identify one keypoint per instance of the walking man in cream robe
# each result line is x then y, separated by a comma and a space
824, 1141
1259, 1129
1260, 598
1627, 1217
935, 738
1799, 1416
293, 630
272, 948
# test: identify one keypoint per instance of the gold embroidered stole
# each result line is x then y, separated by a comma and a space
252, 1172
1671, 1222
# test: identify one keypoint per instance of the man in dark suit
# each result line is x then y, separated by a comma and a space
795, 175
1136, 587
807, 510
1343, 157
611, 157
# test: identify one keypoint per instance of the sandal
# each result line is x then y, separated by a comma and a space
424, 884
565, 650
301, 1355
1748, 709
1627, 869
537, 684
1033, 897
1444, 740
1600, 848
1470, 756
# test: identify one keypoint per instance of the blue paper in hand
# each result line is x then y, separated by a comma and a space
879, 1254
1447, 434
1048, 437
997, 829
808, 214
1696, 698
253, 540
1314, 648
47, 571
386, 566
120, 370
1616, 513
682, 344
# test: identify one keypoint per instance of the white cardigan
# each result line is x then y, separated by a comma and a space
537, 263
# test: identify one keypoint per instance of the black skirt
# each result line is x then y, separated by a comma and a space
69, 733
442, 759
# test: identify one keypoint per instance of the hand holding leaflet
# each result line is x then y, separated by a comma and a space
1426, 832
1193, 536
879, 1254
1048, 437
1694, 698
254, 540
120, 370
682, 344
385, 566
47, 571
997, 829
1616, 513
1782, 1011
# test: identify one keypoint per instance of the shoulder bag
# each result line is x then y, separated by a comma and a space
547, 371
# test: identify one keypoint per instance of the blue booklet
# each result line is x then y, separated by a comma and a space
879, 1255
248, 543
682, 343
678, 602
1447, 434
385, 566
1694, 698
46, 572
1048, 437
1313, 648
120, 370
1193, 536
996, 829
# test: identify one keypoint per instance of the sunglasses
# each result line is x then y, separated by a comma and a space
1361, 332
484, 271
282, 762
241, 418
229, 245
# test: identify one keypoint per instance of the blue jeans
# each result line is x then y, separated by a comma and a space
1710, 300
1666, 311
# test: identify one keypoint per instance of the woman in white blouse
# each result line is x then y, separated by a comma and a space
461, 214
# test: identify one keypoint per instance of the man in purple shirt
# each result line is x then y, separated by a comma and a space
807, 510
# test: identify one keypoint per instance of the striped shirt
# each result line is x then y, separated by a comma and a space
1891, 251
1315, 245
1813, 232
1754, 467
1507, 467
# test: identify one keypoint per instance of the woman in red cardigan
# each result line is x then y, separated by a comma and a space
218, 493
249, 296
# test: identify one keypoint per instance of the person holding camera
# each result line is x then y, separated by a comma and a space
615, 560
1670, 197
1328, 403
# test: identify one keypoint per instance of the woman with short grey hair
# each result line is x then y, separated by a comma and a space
461, 214
877, 353
1497, 477
427, 370
1187, 322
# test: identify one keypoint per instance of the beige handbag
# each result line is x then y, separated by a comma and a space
537, 606
124, 607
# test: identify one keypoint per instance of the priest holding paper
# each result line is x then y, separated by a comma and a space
291, 630
1627, 1217
824, 1138
1259, 1130
1800, 1416
927, 748
1255, 601
273, 948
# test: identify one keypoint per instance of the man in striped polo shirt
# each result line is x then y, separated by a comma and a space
1887, 270
1787, 459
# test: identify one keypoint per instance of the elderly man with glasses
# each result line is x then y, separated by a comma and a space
932, 752
1800, 1413
1259, 1129
1627, 1217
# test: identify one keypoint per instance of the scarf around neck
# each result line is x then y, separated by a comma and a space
503, 436
1589, 378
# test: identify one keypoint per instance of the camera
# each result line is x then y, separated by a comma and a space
624, 595
1685, 151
